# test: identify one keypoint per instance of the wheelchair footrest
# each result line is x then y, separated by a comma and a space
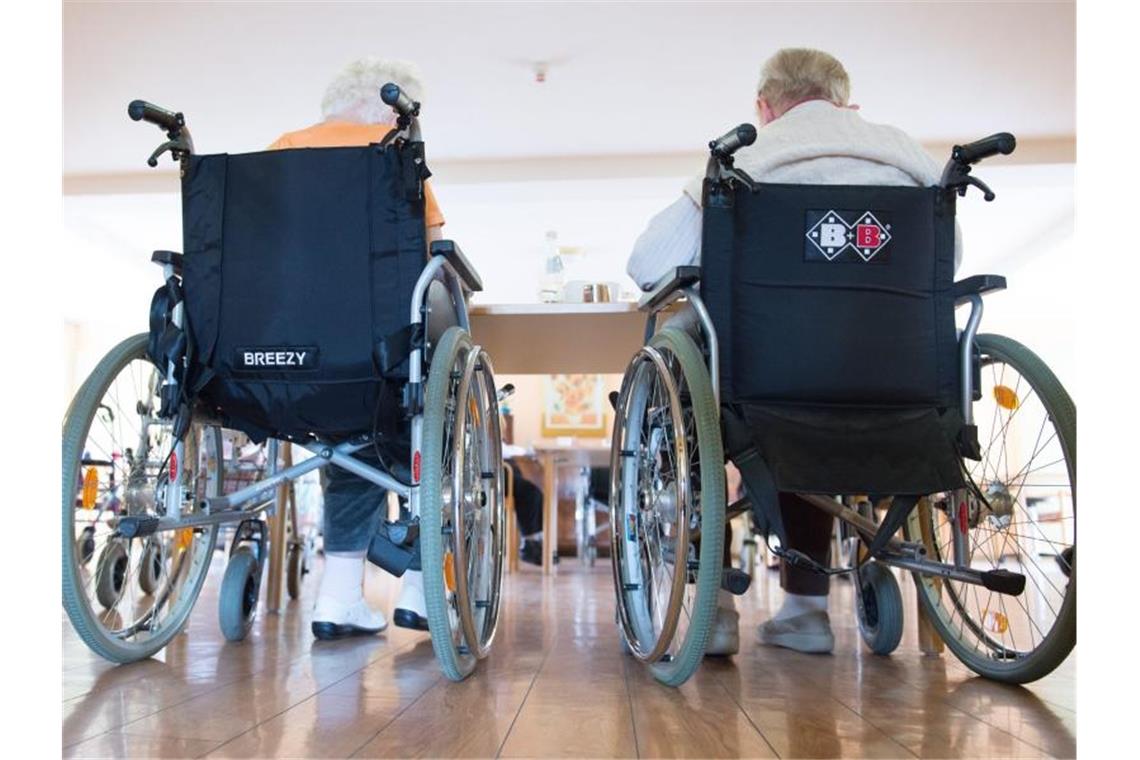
137, 526
735, 581
1004, 582
396, 548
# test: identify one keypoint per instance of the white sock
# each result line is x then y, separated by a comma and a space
343, 578
414, 579
798, 604
412, 593
533, 537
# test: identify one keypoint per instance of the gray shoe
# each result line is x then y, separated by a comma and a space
809, 633
725, 637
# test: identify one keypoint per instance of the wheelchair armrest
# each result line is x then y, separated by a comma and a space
978, 285
172, 258
667, 286
463, 269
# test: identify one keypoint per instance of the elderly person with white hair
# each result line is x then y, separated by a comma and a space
354, 115
809, 134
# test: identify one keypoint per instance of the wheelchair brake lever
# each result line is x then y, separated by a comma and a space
153, 160
179, 146
970, 179
175, 147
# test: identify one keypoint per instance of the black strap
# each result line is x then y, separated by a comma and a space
397, 346
892, 521
414, 170
754, 473
163, 335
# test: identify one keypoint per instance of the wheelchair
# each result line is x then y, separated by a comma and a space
307, 308
816, 348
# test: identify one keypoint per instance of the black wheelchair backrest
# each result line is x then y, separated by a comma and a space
834, 313
298, 265
832, 295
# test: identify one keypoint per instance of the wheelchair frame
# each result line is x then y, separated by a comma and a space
228, 507
681, 287
448, 265
445, 264
649, 624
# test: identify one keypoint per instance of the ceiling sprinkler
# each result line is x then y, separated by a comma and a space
539, 68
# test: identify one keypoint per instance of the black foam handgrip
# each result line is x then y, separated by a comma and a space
733, 140
140, 110
1002, 142
393, 96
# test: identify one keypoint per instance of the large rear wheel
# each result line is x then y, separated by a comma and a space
667, 506
1018, 513
462, 518
116, 461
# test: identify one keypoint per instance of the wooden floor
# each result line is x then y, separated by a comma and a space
556, 685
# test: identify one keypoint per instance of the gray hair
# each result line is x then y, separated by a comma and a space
794, 75
355, 93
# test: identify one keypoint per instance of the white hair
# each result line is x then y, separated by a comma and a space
355, 93
794, 75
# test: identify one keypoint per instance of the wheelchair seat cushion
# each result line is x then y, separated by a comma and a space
845, 451
298, 271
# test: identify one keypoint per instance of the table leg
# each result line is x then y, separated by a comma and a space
929, 642
549, 512
277, 544
512, 520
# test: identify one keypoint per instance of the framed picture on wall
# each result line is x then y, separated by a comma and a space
573, 405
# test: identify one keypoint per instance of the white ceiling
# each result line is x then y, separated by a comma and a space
632, 78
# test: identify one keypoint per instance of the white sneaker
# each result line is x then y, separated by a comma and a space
809, 633
725, 637
333, 619
411, 608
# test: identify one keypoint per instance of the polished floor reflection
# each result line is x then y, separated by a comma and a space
555, 685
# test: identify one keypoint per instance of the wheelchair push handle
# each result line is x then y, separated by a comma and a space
971, 153
733, 140
399, 101
140, 110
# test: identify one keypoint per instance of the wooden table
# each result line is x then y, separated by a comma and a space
552, 338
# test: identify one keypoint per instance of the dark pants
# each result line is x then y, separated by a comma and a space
809, 531
352, 507
528, 503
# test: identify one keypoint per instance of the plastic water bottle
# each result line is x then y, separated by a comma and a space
553, 270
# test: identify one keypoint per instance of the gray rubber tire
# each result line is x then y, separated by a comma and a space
237, 599
1061, 639
76, 424
150, 566
879, 608
111, 573
454, 664
710, 559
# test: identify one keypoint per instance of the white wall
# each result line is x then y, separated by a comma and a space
1026, 235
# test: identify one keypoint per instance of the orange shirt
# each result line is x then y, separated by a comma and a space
340, 134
